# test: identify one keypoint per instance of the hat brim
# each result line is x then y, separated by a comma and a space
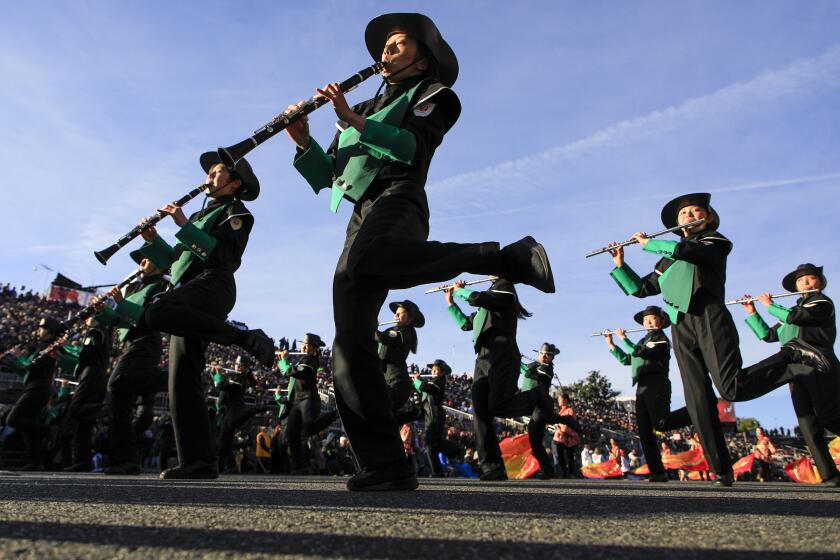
137, 256
447, 369
673, 207
640, 316
250, 188
418, 320
789, 281
423, 29
556, 352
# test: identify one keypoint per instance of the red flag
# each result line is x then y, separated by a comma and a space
802, 471
607, 469
691, 460
516, 453
744, 464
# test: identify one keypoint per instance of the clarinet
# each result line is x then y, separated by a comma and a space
232, 154
105, 254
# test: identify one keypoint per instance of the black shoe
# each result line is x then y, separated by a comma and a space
544, 475
493, 471
724, 480
832, 482
83, 466
197, 470
398, 475
659, 477
127, 468
259, 345
801, 352
527, 262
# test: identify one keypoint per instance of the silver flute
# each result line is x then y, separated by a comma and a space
607, 249
772, 296
448, 286
605, 333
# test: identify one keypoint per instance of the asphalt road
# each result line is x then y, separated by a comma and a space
90, 516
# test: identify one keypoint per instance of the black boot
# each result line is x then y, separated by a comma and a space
800, 352
199, 469
259, 345
724, 480
526, 262
493, 471
398, 475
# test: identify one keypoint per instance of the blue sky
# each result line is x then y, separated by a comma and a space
580, 121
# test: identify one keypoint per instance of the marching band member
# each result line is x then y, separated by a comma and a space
395, 343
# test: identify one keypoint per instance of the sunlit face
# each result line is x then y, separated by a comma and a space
43, 333
310, 349
437, 371
545, 357
148, 268
400, 57
402, 316
220, 182
652, 321
693, 212
808, 282
563, 400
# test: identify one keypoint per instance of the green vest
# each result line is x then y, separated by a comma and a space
636, 363
356, 165
527, 382
677, 285
180, 266
787, 332
478, 321
139, 298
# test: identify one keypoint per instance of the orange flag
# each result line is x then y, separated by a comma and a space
642, 471
516, 453
607, 469
691, 460
744, 464
802, 471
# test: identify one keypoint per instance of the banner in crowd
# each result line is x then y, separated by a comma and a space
65, 290
726, 411
607, 469
742, 465
516, 453
802, 471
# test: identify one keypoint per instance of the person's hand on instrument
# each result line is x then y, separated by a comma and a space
149, 233
641, 237
620, 333
298, 131
748, 306
766, 299
176, 212
617, 254
342, 109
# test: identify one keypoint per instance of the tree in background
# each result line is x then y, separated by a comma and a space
594, 388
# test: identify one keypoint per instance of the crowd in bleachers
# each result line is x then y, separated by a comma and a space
330, 453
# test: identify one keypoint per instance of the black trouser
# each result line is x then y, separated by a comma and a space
235, 415
82, 412
24, 417
399, 385
815, 401
542, 415
385, 249
136, 375
435, 428
300, 425
494, 393
194, 314
567, 460
653, 413
706, 348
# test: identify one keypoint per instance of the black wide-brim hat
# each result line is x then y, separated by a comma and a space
789, 281
313, 340
703, 200
442, 365
548, 348
653, 310
137, 256
51, 325
250, 188
418, 320
422, 29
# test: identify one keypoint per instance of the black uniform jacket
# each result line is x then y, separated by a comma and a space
397, 178
396, 343
231, 230
541, 373
235, 385
141, 331
96, 351
655, 350
707, 250
304, 372
814, 315
435, 388
501, 302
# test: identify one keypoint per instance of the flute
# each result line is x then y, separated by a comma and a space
772, 296
448, 286
278, 352
386, 323
657, 234
605, 333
